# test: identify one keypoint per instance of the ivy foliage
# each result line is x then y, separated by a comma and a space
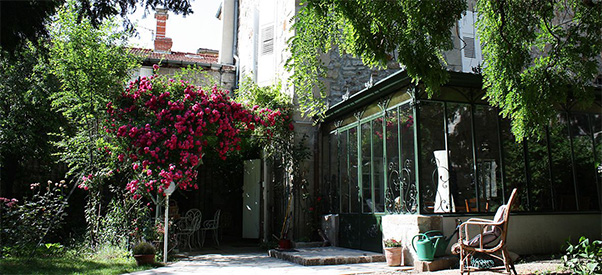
538, 55
282, 142
413, 33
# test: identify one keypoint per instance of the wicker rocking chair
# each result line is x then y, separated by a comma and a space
491, 239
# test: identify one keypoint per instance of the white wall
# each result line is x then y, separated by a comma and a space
542, 234
527, 234
254, 17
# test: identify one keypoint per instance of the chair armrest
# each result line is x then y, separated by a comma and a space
475, 221
479, 220
208, 224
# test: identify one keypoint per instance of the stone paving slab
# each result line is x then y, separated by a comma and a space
236, 261
326, 256
261, 264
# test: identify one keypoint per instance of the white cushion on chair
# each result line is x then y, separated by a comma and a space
492, 233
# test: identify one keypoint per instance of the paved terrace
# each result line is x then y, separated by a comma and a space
233, 260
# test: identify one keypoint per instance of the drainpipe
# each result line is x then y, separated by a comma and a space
237, 76
235, 46
226, 50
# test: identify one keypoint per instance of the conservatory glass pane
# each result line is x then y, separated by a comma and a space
585, 169
353, 171
408, 189
378, 168
367, 203
392, 160
333, 177
539, 187
562, 167
432, 138
488, 158
514, 165
344, 171
461, 172
597, 129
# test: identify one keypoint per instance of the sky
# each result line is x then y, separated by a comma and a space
198, 30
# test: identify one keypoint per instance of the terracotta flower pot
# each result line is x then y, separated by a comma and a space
284, 244
145, 259
393, 256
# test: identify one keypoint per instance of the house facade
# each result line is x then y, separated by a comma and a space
171, 62
390, 162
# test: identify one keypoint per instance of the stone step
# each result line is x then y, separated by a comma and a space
445, 262
326, 256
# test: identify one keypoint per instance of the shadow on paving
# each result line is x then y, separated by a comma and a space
232, 259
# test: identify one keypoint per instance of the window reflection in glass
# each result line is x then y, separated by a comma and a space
488, 158
514, 165
367, 203
597, 131
585, 169
343, 170
406, 126
378, 169
461, 172
393, 163
353, 171
432, 138
540, 198
333, 178
562, 168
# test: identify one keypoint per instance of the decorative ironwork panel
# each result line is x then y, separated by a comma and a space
401, 196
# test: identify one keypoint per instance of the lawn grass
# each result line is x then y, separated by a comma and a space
78, 264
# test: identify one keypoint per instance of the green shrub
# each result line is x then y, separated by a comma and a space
143, 248
41, 216
584, 257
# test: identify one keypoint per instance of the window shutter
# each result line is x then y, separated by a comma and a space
469, 47
267, 40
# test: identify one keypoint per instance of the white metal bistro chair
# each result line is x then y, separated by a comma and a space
211, 225
190, 215
187, 230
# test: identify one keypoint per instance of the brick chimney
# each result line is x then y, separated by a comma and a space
162, 43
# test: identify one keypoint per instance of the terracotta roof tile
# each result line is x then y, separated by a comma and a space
176, 56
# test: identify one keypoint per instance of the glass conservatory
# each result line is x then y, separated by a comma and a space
390, 149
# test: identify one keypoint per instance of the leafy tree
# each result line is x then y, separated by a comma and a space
537, 54
92, 65
26, 117
26, 20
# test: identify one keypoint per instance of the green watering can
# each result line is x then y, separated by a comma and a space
430, 244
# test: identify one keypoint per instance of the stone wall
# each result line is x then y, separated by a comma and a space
542, 234
404, 227
225, 79
348, 75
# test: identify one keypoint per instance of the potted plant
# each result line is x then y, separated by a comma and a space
144, 253
393, 252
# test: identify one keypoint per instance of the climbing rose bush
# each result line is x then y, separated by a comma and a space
162, 127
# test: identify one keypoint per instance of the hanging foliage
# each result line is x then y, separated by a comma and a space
413, 33
537, 55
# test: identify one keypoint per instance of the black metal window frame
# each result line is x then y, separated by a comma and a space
344, 130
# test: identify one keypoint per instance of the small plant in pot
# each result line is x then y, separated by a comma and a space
393, 252
144, 253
